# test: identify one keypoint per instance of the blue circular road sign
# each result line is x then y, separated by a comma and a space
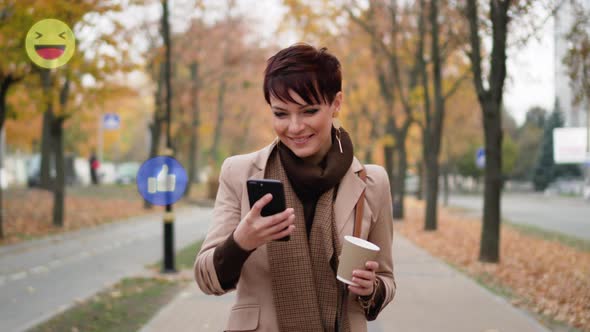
161, 180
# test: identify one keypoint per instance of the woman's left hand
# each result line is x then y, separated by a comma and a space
365, 279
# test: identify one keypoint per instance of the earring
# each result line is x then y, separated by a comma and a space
336, 124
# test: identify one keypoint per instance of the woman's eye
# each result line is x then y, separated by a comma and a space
279, 114
311, 111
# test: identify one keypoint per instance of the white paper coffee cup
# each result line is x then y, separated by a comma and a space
355, 254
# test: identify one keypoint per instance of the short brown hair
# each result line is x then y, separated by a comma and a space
313, 74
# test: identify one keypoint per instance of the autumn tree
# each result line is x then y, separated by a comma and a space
64, 95
446, 40
577, 58
528, 139
386, 25
14, 24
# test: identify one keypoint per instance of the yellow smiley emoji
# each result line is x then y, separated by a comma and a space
50, 43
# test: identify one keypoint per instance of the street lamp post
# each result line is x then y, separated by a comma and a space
168, 264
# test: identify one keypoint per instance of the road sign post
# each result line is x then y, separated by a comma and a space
108, 121
480, 158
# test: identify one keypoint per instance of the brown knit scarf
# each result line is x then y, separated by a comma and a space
306, 294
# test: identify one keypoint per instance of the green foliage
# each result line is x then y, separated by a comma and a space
509, 154
466, 163
577, 57
546, 171
535, 116
528, 139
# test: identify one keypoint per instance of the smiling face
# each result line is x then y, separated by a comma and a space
305, 129
50, 43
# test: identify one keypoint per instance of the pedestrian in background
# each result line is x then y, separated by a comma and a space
292, 286
94, 166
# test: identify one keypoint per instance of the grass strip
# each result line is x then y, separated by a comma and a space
185, 258
126, 306
567, 240
535, 231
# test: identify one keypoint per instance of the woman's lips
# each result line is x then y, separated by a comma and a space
301, 140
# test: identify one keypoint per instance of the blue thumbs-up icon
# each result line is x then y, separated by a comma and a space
161, 180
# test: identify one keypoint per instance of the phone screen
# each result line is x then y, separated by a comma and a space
258, 188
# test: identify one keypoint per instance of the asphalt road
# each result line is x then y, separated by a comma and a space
567, 215
41, 278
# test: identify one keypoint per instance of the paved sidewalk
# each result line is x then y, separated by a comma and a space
431, 296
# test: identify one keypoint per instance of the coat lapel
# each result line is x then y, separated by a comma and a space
349, 190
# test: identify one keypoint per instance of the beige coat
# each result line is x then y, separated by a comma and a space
254, 309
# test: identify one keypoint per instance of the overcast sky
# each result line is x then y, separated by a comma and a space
531, 71
530, 68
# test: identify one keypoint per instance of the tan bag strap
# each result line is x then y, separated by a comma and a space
358, 220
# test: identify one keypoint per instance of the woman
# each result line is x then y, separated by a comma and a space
292, 286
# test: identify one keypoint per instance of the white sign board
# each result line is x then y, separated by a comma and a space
111, 121
570, 145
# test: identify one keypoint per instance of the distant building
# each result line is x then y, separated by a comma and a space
574, 116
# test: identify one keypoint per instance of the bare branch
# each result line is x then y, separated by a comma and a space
393, 59
368, 29
456, 85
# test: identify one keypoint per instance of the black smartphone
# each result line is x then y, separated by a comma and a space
260, 187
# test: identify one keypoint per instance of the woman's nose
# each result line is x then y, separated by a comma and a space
296, 125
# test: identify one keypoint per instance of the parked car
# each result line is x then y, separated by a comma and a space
566, 186
34, 171
126, 172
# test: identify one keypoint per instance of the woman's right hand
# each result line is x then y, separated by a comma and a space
255, 230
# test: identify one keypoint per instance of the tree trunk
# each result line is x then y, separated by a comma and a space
373, 135
490, 100
446, 185
490, 235
434, 126
4, 86
368, 155
389, 167
59, 181
156, 126
432, 172
400, 180
59, 184
3, 90
195, 124
354, 130
47, 159
421, 182
219, 123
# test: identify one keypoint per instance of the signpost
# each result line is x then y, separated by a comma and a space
480, 158
108, 121
111, 121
